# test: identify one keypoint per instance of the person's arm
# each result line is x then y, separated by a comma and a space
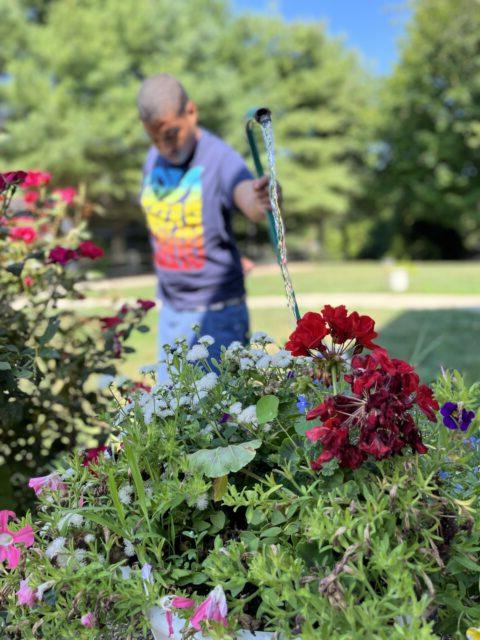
251, 198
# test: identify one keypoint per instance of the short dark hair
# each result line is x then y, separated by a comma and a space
159, 95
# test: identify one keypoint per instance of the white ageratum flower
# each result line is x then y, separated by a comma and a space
146, 403
202, 502
70, 519
282, 358
207, 382
234, 347
55, 547
264, 362
260, 337
126, 572
248, 416
207, 340
79, 555
125, 493
235, 409
197, 352
246, 363
68, 473
128, 548
148, 488
89, 538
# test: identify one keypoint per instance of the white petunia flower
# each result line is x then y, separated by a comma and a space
197, 352
202, 502
128, 548
235, 409
125, 493
207, 382
55, 547
206, 340
248, 416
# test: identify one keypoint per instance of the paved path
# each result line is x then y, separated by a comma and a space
317, 300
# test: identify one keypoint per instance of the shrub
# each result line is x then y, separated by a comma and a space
49, 354
216, 483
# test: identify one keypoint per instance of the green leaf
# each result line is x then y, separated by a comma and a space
220, 486
143, 328
16, 268
218, 520
137, 480
50, 331
267, 409
5, 366
115, 497
302, 425
218, 462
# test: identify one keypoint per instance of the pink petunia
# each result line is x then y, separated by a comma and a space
62, 255
36, 179
27, 234
175, 602
88, 620
26, 595
214, 607
52, 481
89, 249
67, 194
10, 539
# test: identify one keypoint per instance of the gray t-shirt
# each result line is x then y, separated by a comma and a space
188, 210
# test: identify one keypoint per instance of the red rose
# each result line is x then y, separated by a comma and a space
310, 331
27, 234
13, 177
88, 249
62, 255
146, 304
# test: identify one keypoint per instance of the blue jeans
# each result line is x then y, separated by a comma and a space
225, 326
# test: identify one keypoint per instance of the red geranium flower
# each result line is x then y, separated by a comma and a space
89, 249
62, 255
310, 331
27, 234
146, 304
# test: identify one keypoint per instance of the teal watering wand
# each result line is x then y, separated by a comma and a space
276, 230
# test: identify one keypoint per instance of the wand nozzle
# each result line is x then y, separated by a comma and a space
262, 115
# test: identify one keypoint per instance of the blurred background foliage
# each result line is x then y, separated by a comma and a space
369, 166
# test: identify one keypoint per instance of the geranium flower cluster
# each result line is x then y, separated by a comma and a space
374, 416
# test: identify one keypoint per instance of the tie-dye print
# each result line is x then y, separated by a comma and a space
172, 201
188, 211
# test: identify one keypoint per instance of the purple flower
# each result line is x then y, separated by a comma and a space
443, 475
147, 573
225, 418
302, 404
455, 419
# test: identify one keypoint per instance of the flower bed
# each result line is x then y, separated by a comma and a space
308, 492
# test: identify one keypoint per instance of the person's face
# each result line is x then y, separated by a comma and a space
175, 135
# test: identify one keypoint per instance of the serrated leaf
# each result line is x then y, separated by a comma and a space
218, 462
267, 409
302, 425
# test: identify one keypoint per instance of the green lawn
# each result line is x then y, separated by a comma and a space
427, 338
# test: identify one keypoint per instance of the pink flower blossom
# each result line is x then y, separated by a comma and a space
88, 620
67, 194
30, 197
214, 607
89, 249
52, 481
26, 595
176, 602
10, 539
27, 234
28, 281
36, 179
11, 178
109, 322
62, 255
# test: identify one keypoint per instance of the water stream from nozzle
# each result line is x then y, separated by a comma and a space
263, 117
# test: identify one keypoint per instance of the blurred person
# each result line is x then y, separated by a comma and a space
192, 183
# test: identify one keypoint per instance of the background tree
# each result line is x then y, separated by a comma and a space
426, 184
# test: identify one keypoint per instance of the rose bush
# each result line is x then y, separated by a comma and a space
213, 509
49, 354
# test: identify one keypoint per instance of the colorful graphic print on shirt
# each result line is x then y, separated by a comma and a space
172, 201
